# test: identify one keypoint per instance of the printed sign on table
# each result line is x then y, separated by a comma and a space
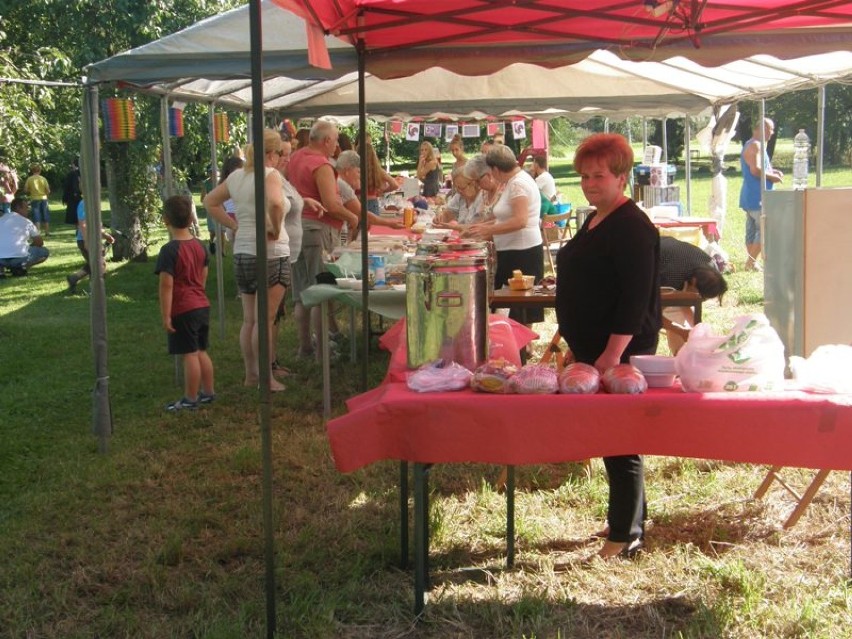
519, 130
470, 130
450, 131
432, 130
412, 132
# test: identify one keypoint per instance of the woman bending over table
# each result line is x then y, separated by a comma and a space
608, 306
466, 204
515, 228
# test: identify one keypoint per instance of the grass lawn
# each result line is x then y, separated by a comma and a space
162, 537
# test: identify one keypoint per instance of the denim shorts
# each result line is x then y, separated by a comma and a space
752, 227
40, 211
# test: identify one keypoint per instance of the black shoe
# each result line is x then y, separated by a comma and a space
72, 284
18, 271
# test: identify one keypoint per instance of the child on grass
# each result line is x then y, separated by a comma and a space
184, 307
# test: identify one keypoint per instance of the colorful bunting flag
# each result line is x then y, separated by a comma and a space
412, 132
119, 119
176, 122
470, 130
221, 127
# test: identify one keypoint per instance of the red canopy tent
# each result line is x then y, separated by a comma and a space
475, 37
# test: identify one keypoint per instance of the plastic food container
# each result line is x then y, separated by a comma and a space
658, 370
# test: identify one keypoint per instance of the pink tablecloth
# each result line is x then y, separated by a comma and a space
505, 339
786, 428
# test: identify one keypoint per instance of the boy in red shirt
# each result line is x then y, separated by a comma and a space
184, 307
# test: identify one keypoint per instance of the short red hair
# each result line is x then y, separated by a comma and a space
612, 148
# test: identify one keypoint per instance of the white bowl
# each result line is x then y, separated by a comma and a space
659, 380
349, 283
654, 365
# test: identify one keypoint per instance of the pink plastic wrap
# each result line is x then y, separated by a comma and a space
624, 379
579, 378
535, 379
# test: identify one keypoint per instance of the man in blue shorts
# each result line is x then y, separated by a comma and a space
751, 159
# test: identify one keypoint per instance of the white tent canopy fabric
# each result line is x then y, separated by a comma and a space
602, 84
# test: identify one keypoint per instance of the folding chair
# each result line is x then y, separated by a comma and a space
802, 501
554, 236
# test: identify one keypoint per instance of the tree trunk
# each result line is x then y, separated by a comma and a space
129, 240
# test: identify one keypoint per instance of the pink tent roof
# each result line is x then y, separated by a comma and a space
479, 36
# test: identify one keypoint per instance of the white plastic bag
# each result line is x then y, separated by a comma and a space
827, 370
749, 358
438, 376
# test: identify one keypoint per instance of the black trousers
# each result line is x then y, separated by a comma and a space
626, 509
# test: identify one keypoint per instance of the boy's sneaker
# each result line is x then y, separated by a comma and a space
204, 398
181, 404
72, 284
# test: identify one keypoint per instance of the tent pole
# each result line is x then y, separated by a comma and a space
820, 134
214, 178
763, 152
168, 179
687, 138
102, 424
665, 139
256, 38
168, 182
630, 177
387, 148
365, 290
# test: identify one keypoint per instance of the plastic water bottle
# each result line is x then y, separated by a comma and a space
801, 149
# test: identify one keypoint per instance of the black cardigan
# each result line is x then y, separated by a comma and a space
608, 283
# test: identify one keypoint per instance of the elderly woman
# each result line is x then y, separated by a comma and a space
466, 205
514, 228
478, 171
608, 306
239, 187
428, 170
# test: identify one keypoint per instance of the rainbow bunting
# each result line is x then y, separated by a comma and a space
176, 122
221, 128
119, 119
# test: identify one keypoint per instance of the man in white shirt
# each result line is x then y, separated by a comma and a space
21, 245
544, 180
